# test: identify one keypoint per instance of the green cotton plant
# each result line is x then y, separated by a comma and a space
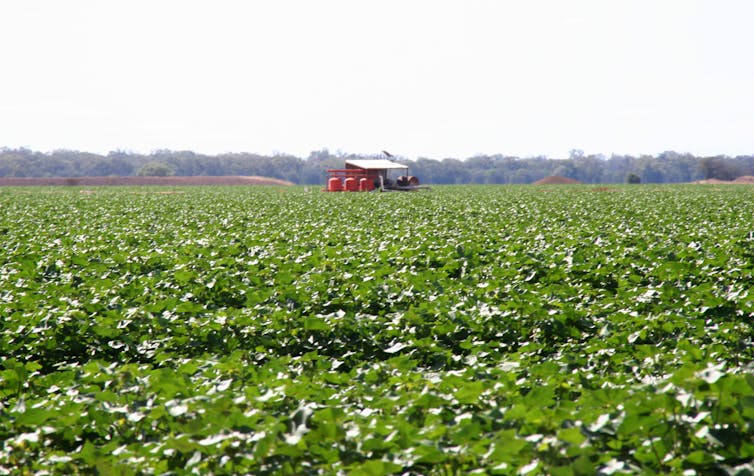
496, 330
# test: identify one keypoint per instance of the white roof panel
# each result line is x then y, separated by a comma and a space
371, 164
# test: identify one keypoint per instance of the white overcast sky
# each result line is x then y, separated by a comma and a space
420, 78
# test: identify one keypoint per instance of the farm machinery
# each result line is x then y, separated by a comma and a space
372, 174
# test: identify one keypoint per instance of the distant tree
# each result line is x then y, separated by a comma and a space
454, 171
588, 168
155, 169
566, 169
523, 175
650, 169
633, 178
718, 168
479, 162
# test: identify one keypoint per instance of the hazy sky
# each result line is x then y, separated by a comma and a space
420, 78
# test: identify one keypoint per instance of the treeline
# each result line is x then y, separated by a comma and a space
668, 167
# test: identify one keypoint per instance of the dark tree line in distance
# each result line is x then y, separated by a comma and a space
667, 167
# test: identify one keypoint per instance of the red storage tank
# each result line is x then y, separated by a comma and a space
351, 185
334, 184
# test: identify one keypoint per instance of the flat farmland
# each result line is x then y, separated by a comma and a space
560, 330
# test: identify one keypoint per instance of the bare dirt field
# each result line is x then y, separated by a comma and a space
557, 180
744, 179
167, 181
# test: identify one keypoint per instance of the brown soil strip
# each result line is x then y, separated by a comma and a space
125, 181
557, 180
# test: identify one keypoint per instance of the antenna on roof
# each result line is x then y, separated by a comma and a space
387, 153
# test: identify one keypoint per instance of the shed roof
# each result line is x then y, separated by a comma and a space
378, 164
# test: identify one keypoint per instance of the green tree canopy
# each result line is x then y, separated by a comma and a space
155, 169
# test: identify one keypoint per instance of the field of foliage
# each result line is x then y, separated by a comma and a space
561, 330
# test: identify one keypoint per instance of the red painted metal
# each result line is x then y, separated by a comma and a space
351, 185
351, 179
334, 184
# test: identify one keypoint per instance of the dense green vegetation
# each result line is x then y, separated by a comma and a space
501, 330
667, 167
